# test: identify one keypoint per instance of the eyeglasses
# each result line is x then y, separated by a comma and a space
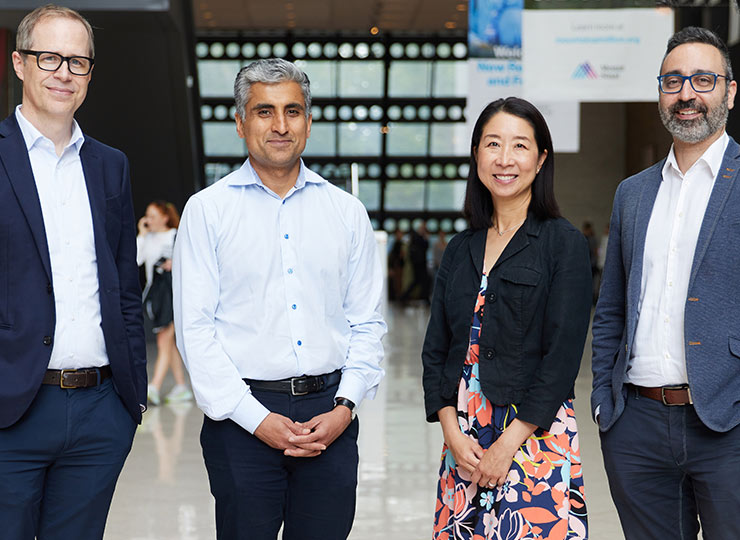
51, 61
700, 82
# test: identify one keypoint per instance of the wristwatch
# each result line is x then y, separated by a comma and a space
344, 402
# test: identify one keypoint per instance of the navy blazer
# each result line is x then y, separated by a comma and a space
538, 304
712, 313
27, 310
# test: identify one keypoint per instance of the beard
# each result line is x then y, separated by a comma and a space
697, 129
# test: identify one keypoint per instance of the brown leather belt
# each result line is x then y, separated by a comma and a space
667, 395
77, 378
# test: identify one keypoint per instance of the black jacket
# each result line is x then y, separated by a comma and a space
536, 315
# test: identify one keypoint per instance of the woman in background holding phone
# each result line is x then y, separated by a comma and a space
155, 243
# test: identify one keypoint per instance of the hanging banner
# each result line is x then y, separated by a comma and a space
595, 54
495, 69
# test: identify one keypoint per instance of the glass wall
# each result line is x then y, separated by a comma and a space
393, 105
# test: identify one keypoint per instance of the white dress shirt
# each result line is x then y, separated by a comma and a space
268, 288
658, 354
60, 182
151, 247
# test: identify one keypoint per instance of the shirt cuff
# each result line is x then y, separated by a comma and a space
596, 414
353, 388
249, 413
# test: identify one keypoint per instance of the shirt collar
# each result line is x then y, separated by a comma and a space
246, 175
712, 157
31, 135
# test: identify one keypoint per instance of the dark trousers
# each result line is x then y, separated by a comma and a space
665, 468
257, 488
60, 462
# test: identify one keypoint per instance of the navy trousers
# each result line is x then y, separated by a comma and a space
257, 488
60, 462
668, 472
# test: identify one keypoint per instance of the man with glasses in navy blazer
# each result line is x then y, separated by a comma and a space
72, 353
666, 333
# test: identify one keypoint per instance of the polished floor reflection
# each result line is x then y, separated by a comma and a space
163, 491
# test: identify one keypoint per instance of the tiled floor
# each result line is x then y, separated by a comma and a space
163, 491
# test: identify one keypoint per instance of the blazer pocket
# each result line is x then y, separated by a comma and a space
735, 346
516, 294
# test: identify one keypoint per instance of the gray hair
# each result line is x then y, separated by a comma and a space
269, 71
24, 35
697, 34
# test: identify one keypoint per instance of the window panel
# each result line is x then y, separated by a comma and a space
446, 195
408, 139
370, 194
216, 77
410, 79
451, 79
361, 78
322, 141
359, 139
404, 195
322, 74
220, 139
450, 140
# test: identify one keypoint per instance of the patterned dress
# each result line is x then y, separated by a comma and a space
543, 495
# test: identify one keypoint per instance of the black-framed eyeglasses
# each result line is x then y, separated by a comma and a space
51, 61
700, 82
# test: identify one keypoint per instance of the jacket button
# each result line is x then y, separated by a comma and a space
491, 297
47, 340
49, 288
489, 354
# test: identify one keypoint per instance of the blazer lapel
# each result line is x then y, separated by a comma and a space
92, 168
645, 203
519, 241
14, 158
477, 249
723, 184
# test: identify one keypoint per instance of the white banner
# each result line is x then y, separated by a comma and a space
594, 55
493, 79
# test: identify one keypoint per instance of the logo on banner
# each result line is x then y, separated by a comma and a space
584, 71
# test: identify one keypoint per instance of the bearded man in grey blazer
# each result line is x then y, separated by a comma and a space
666, 333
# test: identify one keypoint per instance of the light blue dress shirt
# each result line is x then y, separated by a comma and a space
268, 288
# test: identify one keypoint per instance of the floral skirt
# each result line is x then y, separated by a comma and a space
543, 496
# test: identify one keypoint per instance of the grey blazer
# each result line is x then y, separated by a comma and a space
712, 316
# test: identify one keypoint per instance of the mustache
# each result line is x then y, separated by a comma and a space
690, 104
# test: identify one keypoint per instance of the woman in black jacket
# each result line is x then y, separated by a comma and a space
502, 387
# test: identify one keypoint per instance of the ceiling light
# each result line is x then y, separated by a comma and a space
450, 25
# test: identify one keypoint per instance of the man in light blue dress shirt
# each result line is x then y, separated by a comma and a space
277, 288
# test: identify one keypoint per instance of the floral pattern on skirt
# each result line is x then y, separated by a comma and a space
543, 496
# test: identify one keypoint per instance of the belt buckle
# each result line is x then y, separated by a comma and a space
61, 377
292, 386
679, 387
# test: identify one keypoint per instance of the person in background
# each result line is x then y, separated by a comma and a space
439, 248
155, 243
72, 346
503, 347
417, 255
666, 336
593, 251
396, 261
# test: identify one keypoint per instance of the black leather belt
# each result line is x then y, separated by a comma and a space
298, 386
77, 378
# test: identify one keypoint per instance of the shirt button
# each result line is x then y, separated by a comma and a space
489, 354
294, 306
491, 297
290, 270
49, 288
47, 340
286, 236
300, 343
